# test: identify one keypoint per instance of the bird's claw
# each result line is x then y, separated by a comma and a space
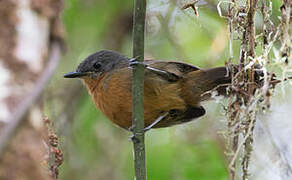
145, 129
135, 62
131, 128
134, 139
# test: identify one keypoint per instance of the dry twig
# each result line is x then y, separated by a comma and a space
55, 155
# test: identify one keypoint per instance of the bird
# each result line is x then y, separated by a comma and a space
173, 90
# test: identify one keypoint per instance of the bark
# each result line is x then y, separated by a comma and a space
30, 26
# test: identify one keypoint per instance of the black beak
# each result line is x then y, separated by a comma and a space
75, 74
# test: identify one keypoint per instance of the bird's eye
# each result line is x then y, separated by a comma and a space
96, 65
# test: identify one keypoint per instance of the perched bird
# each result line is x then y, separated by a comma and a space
173, 90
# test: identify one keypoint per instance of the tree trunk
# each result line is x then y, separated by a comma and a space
27, 30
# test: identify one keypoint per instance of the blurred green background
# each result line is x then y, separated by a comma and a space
93, 147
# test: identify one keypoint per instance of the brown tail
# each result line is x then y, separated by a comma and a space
199, 84
216, 79
216, 76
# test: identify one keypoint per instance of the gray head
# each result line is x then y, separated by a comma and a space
98, 63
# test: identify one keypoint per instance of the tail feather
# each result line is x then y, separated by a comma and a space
217, 76
216, 79
198, 83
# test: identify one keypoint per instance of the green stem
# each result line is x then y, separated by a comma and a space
138, 90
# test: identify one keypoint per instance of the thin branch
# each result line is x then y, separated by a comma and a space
250, 116
138, 90
251, 27
19, 115
241, 144
251, 38
286, 14
55, 155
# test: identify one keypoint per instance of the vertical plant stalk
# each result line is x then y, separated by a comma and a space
232, 132
286, 37
251, 27
55, 155
230, 28
241, 120
138, 90
251, 113
251, 39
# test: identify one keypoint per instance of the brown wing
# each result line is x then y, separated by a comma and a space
179, 68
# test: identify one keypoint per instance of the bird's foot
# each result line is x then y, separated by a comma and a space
134, 62
159, 119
